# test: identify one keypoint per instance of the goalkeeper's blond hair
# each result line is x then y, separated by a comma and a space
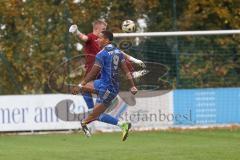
99, 22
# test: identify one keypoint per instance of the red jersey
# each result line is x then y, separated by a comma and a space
91, 48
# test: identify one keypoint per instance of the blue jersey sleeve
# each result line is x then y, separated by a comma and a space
121, 57
99, 59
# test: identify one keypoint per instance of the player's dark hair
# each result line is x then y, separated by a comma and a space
108, 35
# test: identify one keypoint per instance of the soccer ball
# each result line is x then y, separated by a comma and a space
128, 26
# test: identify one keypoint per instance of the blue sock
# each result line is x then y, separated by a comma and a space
88, 99
108, 119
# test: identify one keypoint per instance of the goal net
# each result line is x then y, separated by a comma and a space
197, 59
202, 68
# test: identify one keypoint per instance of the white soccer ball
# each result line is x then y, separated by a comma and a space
128, 26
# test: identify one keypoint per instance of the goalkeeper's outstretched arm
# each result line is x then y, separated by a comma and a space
74, 30
134, 60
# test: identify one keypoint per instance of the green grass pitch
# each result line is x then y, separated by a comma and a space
219, 144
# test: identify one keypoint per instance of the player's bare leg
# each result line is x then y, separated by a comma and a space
97, 111
88, 88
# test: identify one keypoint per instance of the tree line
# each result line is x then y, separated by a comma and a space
34, 38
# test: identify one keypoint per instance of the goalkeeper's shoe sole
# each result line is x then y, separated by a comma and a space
86, 130
125, 134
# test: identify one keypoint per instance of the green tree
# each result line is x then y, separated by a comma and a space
213, 60
34, 36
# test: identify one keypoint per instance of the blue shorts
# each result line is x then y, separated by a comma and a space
105, 93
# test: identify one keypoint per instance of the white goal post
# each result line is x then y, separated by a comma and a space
177, 33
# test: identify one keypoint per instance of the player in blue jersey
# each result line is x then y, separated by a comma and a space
108, 61
91, 48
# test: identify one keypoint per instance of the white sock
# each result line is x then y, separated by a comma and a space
120, 123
